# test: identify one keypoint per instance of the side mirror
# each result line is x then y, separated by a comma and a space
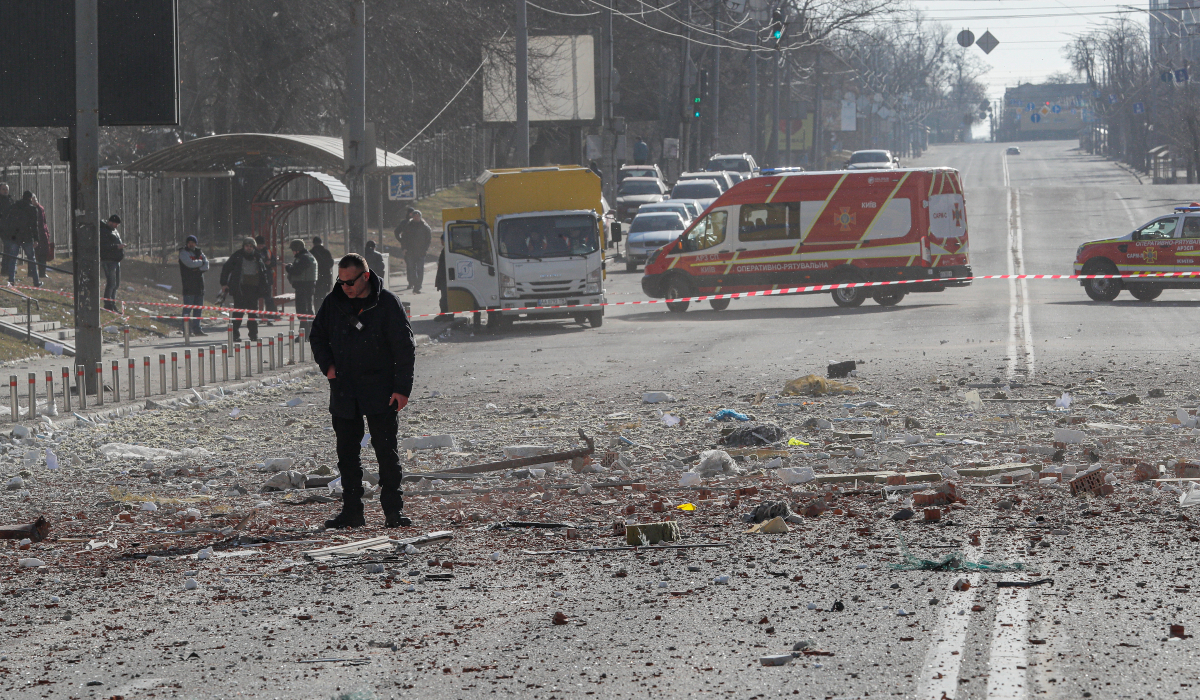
616, 232
1137, 235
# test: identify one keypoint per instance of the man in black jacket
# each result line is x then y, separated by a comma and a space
244, 275
112, 252
21, 232
302, 273
324, 269
192, 266
6, 205
362, 342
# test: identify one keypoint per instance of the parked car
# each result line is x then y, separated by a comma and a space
686, 208
872, 160
640, 171
649, 232
738, 162
720, 177
705, 192
1013, 151
633, 192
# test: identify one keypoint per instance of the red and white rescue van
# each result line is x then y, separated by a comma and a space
806, 229
1167, 244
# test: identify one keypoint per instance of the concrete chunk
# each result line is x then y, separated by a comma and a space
651, 533
860, 476
997, 470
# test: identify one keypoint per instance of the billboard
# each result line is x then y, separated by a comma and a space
562, 80
137, 62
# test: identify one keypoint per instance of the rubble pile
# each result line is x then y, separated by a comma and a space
218, 503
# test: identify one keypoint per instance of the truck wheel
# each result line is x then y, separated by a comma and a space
595, 318
1101, 289
499, 323
888, 298
675, 290
1145, 292
851, 297
719, 304
630, 266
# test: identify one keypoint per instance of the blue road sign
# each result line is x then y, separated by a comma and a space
1029, 107
1056, 109
1138, 108
402, 186
1035, 117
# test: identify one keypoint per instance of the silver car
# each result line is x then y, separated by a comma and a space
705, 192
649, 232
686, 208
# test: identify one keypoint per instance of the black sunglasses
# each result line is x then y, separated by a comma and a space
350, 283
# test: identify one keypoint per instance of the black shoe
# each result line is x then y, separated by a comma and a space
396, 519
351, 516
198, 332
444, 318
237, 337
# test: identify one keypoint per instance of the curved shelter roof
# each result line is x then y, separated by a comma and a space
218, 155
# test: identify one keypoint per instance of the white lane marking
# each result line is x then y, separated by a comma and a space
942, 662
1026, 318
1128, 211
1004, 160
1007, 661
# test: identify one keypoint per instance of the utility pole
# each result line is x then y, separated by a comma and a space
685, 112
715, 81
816, 123
522, 135
755, 125
606, 119
787, 110
777, 58
356, 92
85, 157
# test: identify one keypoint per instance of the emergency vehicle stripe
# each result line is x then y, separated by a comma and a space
879, 211
674, 262
824, 205
777, 186
911, 260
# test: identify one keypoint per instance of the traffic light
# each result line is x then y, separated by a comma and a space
701, 95
778, 27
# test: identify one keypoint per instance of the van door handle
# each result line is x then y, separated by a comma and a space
740, 250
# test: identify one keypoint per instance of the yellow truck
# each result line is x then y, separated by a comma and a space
536, 239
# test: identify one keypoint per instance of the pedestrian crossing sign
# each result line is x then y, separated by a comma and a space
402, 186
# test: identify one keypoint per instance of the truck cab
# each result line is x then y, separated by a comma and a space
532, 249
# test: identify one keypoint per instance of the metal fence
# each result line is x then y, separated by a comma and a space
448, 158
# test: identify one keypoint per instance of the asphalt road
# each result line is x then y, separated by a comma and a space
1100, 632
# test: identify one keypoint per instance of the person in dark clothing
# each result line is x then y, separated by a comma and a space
45, 245
415, 237
596, 169
363, 344
244, 275
324, 269
192, 266
271, 263
112, 252
439, 283
21, 234
641, 152
375, 261
302, 273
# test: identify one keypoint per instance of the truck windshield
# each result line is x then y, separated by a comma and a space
696, 189
547, 236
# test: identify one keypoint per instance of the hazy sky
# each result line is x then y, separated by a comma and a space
1031, 33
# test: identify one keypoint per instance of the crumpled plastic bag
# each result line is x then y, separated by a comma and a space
813, 385
281, 481
1190, 496
754, 436
953, 561
796, 475
716, 463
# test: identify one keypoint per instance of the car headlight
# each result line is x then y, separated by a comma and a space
593, 282
653, 256
508, 287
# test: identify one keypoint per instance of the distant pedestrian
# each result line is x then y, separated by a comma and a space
112, 252
45, 242
414, 245
594, 167
641, 152
302, 273
375, 261
402, 227
324, 269
244, 275
439, 283
272, 263
192, 266
21, 224
363, 344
